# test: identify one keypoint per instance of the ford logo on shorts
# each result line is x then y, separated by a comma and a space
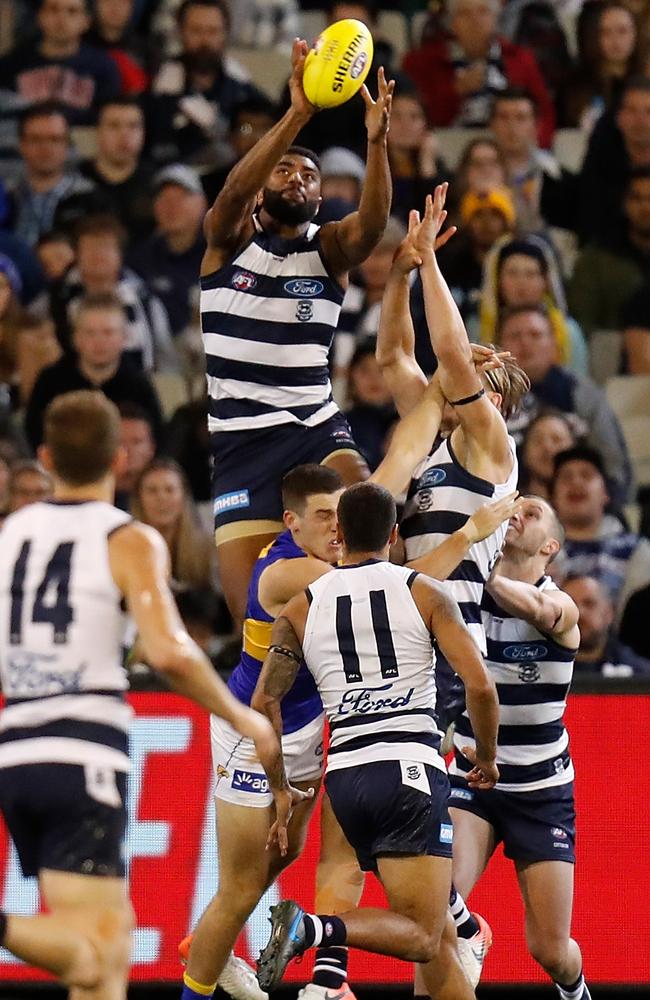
304, 287
525, 652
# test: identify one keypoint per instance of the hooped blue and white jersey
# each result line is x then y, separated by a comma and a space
442, 496
62, 631
268, 318
372, 659
533, 675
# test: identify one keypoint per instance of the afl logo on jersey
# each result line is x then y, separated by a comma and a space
243, 281
432, 477
525, 651
304, 287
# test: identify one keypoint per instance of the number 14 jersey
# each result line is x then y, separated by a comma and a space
371, 656
61, 636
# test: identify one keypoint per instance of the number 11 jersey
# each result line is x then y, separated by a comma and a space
371, 656
61, 636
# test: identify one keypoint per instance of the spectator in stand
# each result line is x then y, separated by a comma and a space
28, 483
138, 441
481, 169
36, 349
370, 411
112, 31
458, 73
634, 629
99, 269
11, 316
514, 125
60, 66
485, 218
344, 126
342, 173
99, 339
525, 272
170, 260
596, 543
193, 97
636, 331
55, 252
250, 120
121, 181
619, 145
188, 441
605, 61
610, 269
549, 433
413, 155
601, 651
46, 181
528, 334
26, 262
162, 499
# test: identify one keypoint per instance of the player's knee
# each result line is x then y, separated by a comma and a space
426, 946
104, 949
548, 952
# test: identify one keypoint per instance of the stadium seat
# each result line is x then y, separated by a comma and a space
452, 142
269, 68
570, 146
637, 438
172, 391
629, 396
605, 349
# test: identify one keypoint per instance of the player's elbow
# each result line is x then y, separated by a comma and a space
167, 656
480, 687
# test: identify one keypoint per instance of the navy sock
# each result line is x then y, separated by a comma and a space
3, 927
323, 929
574, 991
330, 967
466, 924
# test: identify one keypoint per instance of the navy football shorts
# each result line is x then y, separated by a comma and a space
392, 808
66, 817
534, 826
249, 466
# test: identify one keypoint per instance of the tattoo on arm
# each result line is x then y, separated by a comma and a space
282, 660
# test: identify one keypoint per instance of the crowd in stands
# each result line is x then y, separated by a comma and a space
119, 122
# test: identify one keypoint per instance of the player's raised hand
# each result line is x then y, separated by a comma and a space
486, 358
299, 100
426, 235
406, 258
485, 521
286, 801
484, 773
378, 112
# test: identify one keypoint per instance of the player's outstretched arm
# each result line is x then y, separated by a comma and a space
443, 560
553, 612
348, 242
412, 440
443, 617
234, 204
139, 564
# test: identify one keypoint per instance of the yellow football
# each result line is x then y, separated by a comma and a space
338, 63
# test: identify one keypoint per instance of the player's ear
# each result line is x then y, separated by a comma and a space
551, 548
44, 455
393, 535
259, 198
289, 519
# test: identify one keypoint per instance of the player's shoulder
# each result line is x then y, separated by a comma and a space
134, 536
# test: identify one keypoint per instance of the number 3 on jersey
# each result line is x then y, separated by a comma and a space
51, 603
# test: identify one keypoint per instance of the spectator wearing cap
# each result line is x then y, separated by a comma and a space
169, 261
250, 119
527, 332
342, 174
193, 97
100, 241
458, 73
413, 155
525, 272
601, 651
484, 218
121, 180
370, 411
597, 543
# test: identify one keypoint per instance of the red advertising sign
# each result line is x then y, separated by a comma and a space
173, 869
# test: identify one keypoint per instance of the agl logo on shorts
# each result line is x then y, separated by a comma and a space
248, 781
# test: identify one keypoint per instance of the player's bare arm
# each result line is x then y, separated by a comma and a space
139, 562
552, 612
412, 440
286, 578
348, 242
443, 560
227, 223
442, 616
486, 438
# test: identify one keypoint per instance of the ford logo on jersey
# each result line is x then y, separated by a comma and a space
525, 651
304, 287
362, 700
249, 781
432, 477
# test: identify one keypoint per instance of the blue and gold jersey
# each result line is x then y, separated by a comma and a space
302, 703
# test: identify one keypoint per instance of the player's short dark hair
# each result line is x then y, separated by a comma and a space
82, 431
514, 94
304, 481
309, 154
579, 453
367, 514
45, 109
220, 5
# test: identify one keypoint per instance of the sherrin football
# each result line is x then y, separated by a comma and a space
338, 63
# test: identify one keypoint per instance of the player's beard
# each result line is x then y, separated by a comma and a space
289, 213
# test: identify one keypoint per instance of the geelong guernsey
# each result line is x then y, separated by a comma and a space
302, 703
533, 674
371, 655
268, 318
61, 638
442, 496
